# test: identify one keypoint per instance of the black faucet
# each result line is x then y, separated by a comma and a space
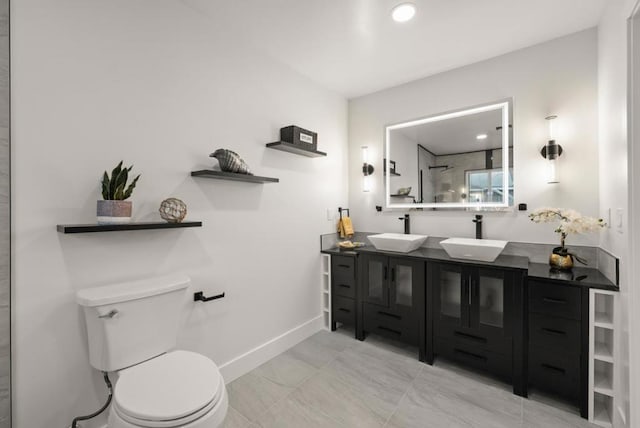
478, 222
407, 226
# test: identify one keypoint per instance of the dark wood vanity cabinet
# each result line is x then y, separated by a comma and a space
558, 337
477, 318
392, 294
343, 290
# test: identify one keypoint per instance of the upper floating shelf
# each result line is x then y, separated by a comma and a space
293, 148
404, 196
89, 228
222, 175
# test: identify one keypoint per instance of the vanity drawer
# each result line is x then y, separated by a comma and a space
471, 337
343, 266
401, 325
555, 372
555, 333
343, 310
554, 299
343, 287
343, 276
473, 356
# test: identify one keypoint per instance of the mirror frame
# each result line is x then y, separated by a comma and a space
505, 106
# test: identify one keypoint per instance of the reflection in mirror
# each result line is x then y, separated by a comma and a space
453, 160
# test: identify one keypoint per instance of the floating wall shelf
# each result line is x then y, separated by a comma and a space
222, 175
403, 196
293, 148
90, 228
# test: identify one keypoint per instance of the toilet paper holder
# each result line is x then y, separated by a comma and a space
198, 296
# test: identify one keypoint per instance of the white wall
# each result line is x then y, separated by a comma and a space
558, 77
614, 176
159, 85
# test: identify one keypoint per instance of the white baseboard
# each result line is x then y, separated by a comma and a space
248, 361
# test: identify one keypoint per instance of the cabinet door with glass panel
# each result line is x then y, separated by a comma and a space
450, 293
406, 286
471, 299
396, 283
491, 301
374, 276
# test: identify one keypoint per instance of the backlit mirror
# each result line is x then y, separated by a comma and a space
451, 160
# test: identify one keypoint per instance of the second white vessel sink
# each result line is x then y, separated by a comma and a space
485, 250
397, 242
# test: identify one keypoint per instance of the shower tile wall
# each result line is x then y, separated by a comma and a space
5, 316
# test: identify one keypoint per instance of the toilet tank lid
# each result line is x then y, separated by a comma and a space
132, 290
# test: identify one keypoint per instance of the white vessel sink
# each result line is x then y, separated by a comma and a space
486, 250
397, 242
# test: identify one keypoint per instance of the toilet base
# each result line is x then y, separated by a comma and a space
212, 419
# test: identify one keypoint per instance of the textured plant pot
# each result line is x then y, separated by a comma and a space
114, 212
561, 259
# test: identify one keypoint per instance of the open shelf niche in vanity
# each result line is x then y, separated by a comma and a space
602, 353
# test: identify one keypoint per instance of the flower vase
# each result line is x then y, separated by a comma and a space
561, 259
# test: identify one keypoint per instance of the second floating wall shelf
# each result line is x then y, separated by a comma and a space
222, 175
296, 149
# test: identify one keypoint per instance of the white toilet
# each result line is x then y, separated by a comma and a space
132, 329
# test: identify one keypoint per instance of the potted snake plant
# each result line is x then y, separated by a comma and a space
115, 209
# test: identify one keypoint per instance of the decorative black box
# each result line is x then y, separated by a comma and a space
299, 136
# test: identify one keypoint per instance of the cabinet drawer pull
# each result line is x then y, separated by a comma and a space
554, 332
345, 266
553, 368
393, 275
387, 314
344, 286
552, 300
471, 355
344, 310
390, 330
470, 337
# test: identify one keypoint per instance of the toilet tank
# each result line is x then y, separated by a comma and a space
130, 322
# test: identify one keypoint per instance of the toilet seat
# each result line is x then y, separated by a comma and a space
171, 390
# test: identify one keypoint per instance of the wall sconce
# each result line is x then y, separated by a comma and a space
367, 170
551, 152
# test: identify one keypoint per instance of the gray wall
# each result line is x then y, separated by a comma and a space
5, 230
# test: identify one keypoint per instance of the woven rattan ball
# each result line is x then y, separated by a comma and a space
173, 210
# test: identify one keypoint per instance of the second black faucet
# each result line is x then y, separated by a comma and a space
407, 225
478, 222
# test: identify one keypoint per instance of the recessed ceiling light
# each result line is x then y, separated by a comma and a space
403, 12
481, 137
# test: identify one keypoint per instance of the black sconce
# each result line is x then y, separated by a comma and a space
551, 152
367, 170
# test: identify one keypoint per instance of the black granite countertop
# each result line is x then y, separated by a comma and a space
339, 252
579, 276
503, 261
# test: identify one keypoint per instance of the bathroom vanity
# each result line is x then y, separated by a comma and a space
511, 318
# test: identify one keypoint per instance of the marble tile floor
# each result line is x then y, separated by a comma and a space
332, 380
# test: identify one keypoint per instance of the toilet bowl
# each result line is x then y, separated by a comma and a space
179, 389
132, 329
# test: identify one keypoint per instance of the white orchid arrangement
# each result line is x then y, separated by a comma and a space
571, 221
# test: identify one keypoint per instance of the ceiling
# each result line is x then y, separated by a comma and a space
354, 48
